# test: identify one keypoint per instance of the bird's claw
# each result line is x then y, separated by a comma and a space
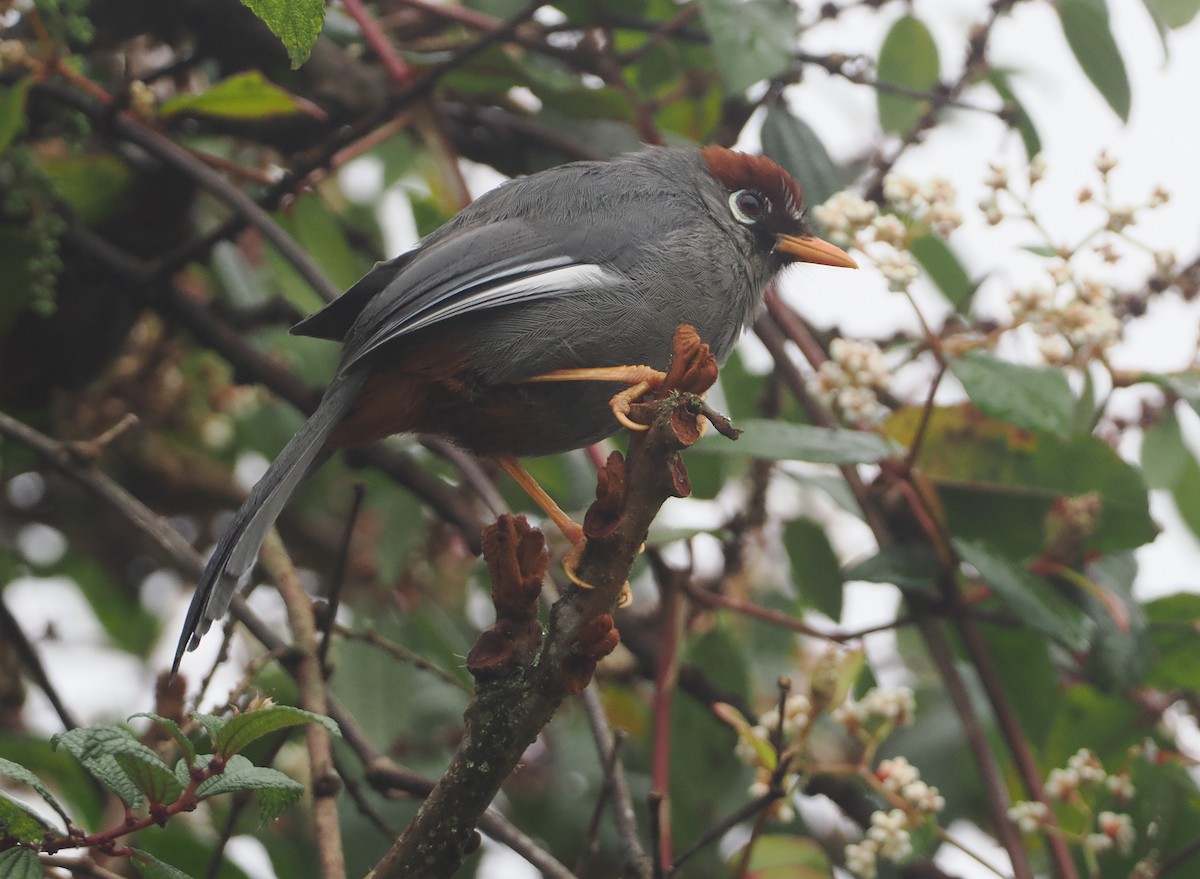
570, 565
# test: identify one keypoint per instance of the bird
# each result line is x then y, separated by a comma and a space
526, 324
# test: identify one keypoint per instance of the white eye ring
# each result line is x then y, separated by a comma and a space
747, 206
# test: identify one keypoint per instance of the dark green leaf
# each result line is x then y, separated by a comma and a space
96, 748
246, 95
152, 868
908, 59
275, 791
20, 822
795, 146
212, 723
1174, 13
1164, 454
1108, 725
1084, 418
910, 568
996, 482
1185, 491
1029, 135
1085, 25
297, 23
1035, 398
1032, 600
815, 567
12, 111
1120, 651
1175, 634
782, 441
96, 185
17, 772
20, 863
240, 731
944, 268
1022, 659
753, 40
153, 777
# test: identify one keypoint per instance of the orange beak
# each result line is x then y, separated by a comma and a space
814, 250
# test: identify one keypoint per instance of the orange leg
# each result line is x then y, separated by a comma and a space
639, 378
570, 529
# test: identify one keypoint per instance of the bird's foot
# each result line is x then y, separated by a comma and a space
641, 380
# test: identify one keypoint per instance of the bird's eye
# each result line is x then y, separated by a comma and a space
747, 206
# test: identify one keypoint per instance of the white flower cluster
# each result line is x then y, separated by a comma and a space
901, 777
891, 705
887, 838
1086, 323
1083, 770
797, 715
847, 381
933, 204
845, 216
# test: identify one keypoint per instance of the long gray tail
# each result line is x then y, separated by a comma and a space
238, 548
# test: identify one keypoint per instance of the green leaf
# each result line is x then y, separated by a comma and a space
20, 863
1032, 600
1185, 491
996, 482
752, 40
211, 722
1108, 725
909, 59
1035, 398
12, 111
1185, 385
1175, 634
297, 23
795, 146
96, 185
780, 856
1029, 136
1120, 653
122, 763
246, 95
240, 731
1086, 27
185, 744
1174, 13
1164, 454
782, 441
152, 868
909, 568
274, 790
17, 772
20, 822
944, 268
1022, 659
815, 567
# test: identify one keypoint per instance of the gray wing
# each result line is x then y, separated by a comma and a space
474, 269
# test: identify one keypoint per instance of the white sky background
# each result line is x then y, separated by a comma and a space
1158, 146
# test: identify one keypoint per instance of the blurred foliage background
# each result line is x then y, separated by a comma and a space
180, 182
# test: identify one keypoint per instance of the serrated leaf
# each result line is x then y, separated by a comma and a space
815, 568
246, 95
944, 269
185, 744
751, 40
1029, 135
274, 790
153, 777
1035, 398
17, 772
909, 59
783, 441
20, 863
909, 568
20, 822
240, 731
297, 23
1032, 600
1120, 653
1085, 25
12, 111
795, 146
96, 747
152, 868
211, 722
